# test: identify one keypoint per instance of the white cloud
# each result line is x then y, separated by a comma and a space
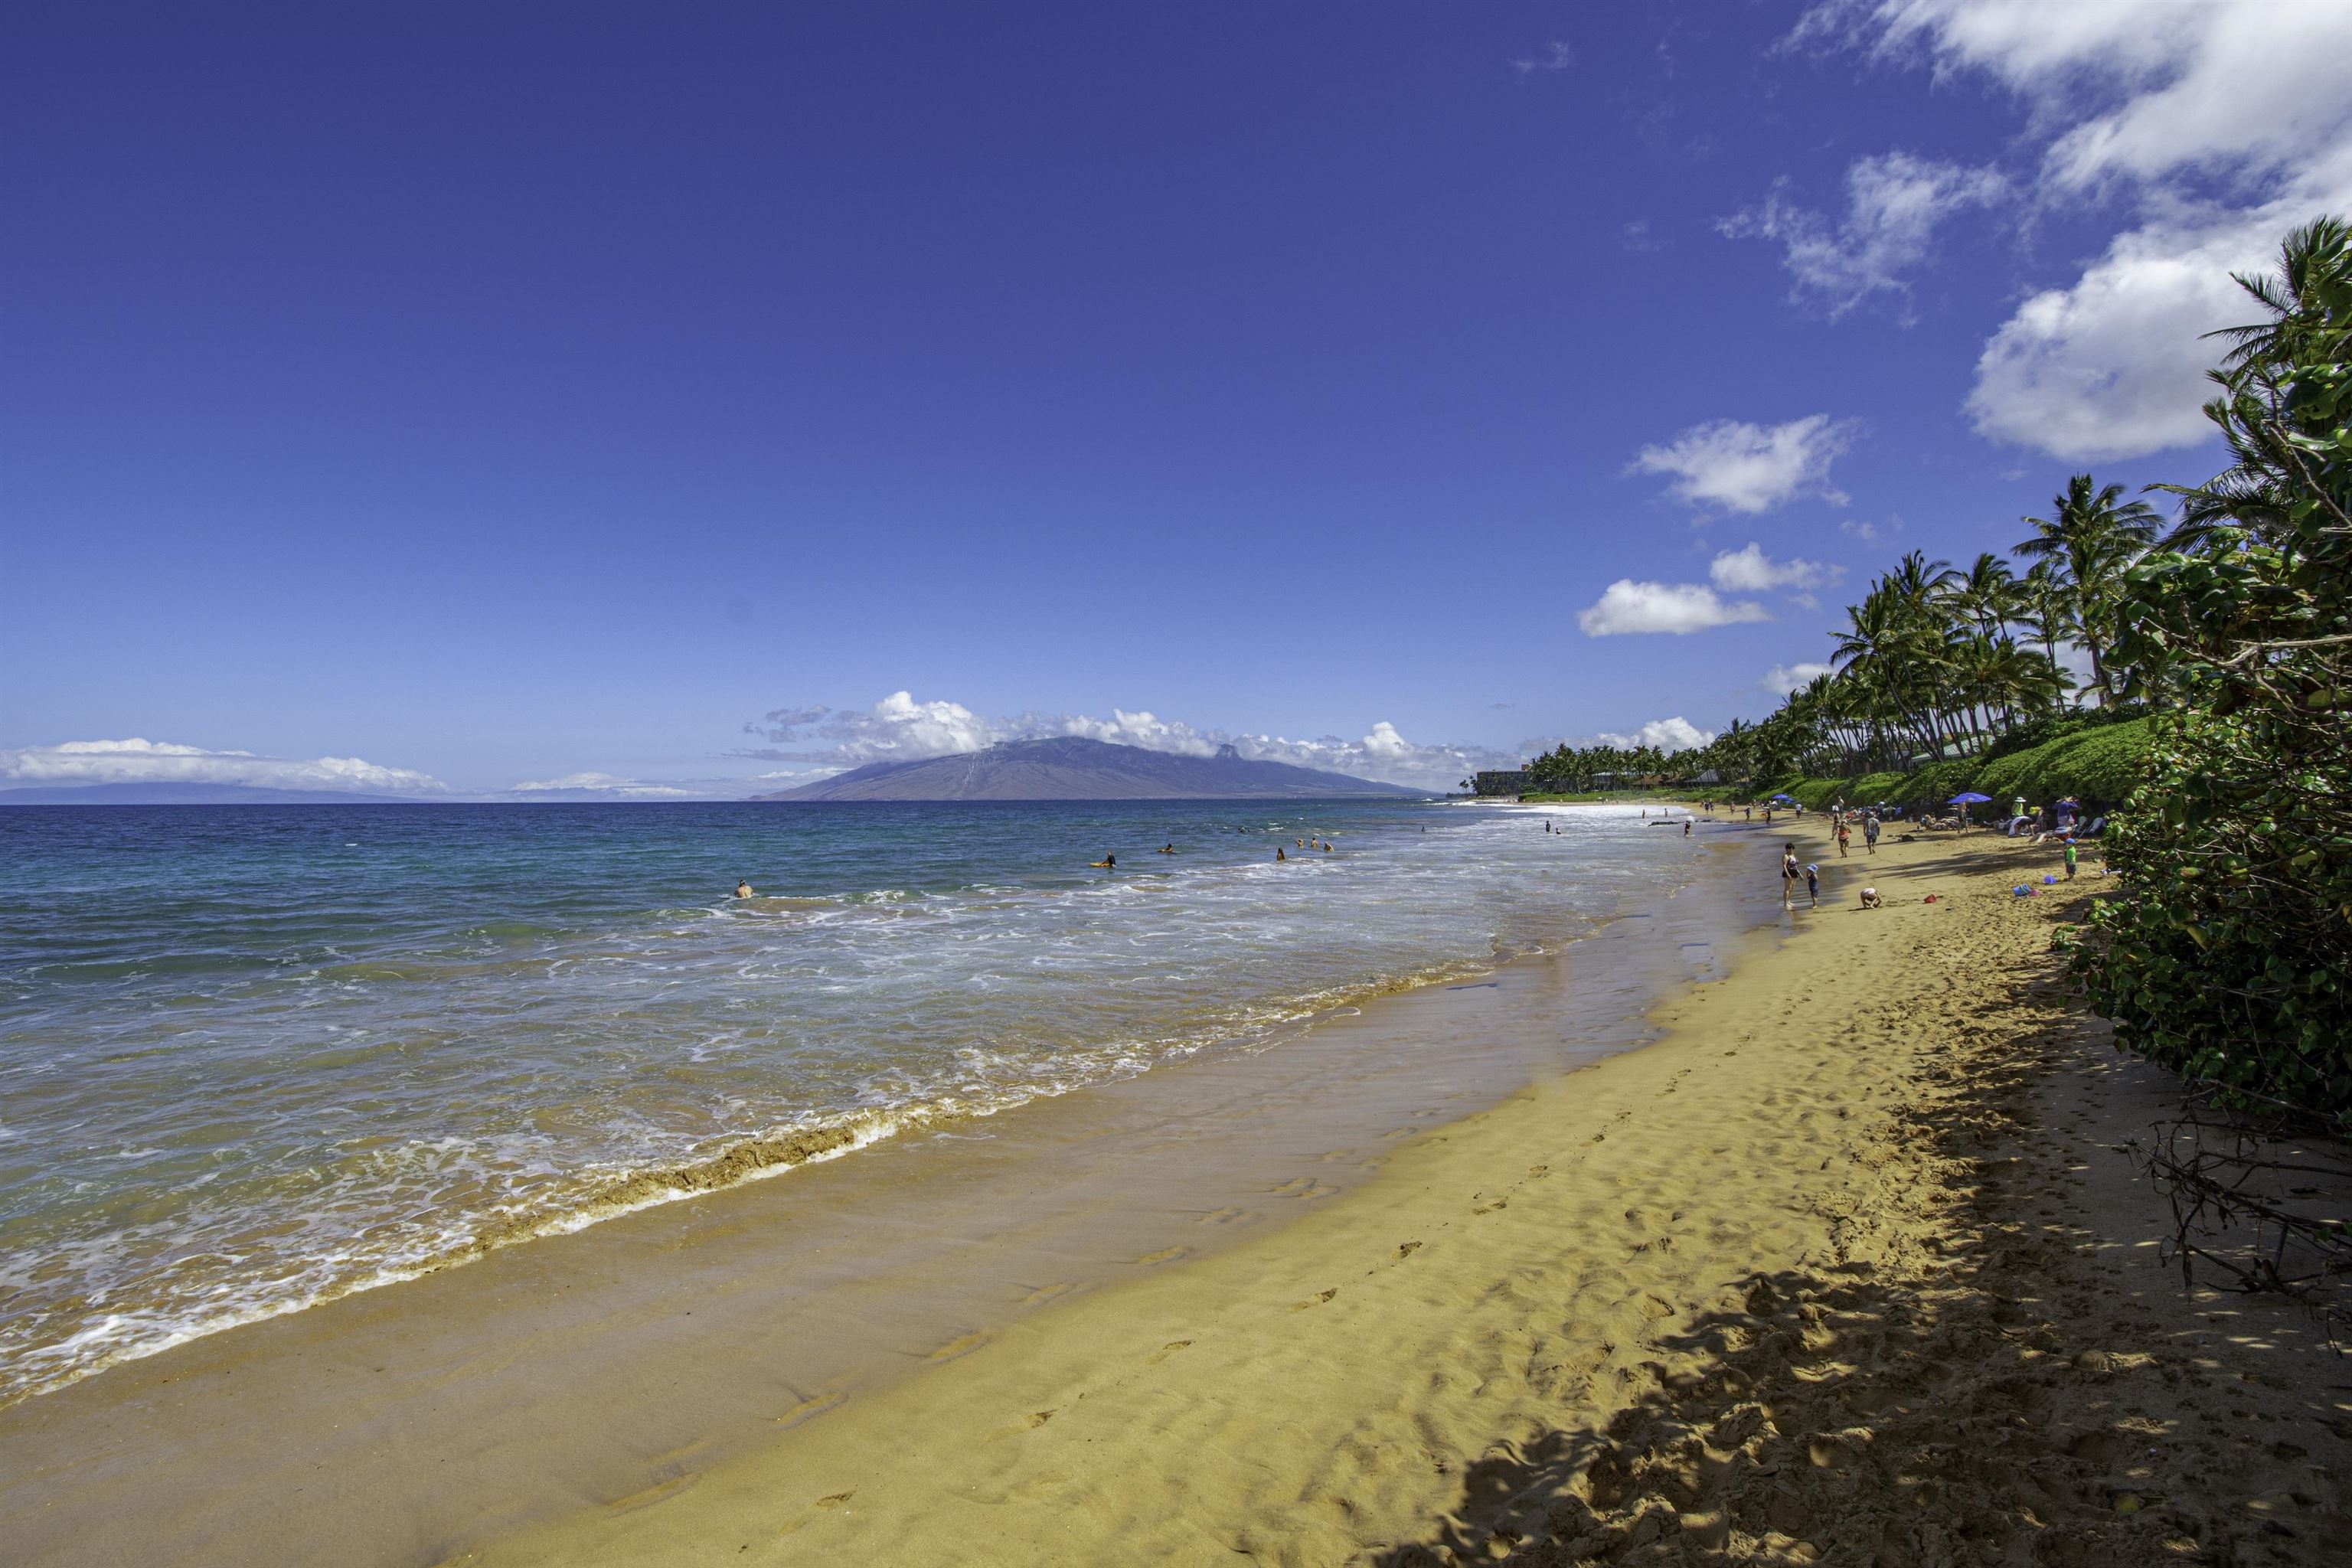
610, 787
137, 761
1749, 468
1750, 570
2223, 125
1783, 678
1557, 56
1670, 735
1894, 204
1627, 606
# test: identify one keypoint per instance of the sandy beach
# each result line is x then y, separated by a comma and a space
1841, 1265
1847, 1268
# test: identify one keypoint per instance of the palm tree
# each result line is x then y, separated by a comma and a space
2089, 538
2255, 491
1986, 594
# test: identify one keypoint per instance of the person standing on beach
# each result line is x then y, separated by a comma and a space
1787, 875
1844, 833
1813, 885
1870, 832
2070, 859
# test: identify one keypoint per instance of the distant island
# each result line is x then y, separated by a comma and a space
1069, 768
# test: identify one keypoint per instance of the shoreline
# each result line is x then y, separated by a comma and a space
1847, 1267
858, 1273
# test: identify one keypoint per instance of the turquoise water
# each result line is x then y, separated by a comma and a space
252, 1057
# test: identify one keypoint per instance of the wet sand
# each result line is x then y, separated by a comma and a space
425, 1420
1845, 1269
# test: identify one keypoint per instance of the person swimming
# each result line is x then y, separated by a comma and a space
1327, 847
1278, 854
743, 890
1167, 849
1110, 862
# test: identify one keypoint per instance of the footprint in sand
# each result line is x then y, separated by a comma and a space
1029, 1422
1044, 1293
1315, 1301
1406, 1249
1165, 1255
810, 1408
1223, 1216
1164, 1352
1302, 1187
954, 1348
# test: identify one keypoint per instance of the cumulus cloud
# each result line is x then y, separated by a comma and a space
899, 728
1745, 468
608, 786
2220, 126
138, 760
1669, 735
1750, 570
1783, 678
1626, 607
1895, 202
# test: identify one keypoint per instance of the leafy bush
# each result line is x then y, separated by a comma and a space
2225, 957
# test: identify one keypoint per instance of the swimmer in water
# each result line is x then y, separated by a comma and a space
1327, 847
1686, 828
1278, 854
1167, 849
743, 890
1110, 862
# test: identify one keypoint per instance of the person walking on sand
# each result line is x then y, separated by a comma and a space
1870, 832
1845, 835
1787, 875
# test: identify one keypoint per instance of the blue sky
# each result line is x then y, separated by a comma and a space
460, 398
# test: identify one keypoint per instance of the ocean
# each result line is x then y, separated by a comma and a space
254, 1057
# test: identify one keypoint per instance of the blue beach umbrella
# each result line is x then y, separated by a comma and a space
1784, 797
1968, 797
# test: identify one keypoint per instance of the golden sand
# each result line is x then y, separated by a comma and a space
1845, 1269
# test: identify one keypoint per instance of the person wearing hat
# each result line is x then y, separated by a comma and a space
1813, 884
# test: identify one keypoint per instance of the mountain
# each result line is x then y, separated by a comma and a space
184, 795
1068, 768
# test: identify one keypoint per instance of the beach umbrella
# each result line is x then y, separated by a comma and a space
1792, 802
1968, 797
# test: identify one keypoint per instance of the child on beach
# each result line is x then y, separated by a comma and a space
1870, 898
2070, 859
1813, 885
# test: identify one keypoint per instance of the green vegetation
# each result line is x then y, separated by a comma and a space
2226, 957
2215, 728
